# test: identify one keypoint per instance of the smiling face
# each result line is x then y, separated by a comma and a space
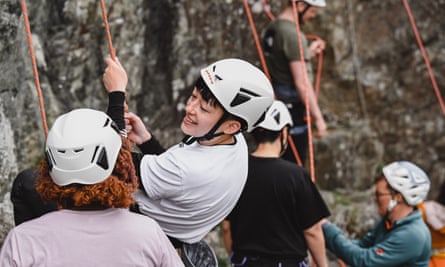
200, 115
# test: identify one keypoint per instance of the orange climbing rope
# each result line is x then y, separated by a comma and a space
306, 97
107, 30
256, 38
33, 58
271, 16
34, 67
266, 9
425, 56
266, 70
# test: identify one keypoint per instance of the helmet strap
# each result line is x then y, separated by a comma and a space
301, 14
188, 139
211, 134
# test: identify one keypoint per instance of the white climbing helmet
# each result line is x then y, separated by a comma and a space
318, 3
241, 88
82, 147
277, 117
408, 179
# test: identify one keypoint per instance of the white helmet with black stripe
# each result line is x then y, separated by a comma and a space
277, 117
242, 89
82, 147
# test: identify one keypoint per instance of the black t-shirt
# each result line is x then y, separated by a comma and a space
278, 203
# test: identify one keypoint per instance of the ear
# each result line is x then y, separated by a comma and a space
399, 197
285, 131
231, 126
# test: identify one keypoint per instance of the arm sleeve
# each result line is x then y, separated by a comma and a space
151, 146
311, 203
392, 251
116, 108
161, 175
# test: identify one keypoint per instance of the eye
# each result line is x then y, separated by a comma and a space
204, 109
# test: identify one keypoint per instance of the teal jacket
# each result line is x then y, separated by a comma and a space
407, 243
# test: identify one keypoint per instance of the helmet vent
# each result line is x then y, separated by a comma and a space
218, 78
239, 99
94, 154
277, 118
260, 120
61, 151
243, 96
78, 150
49, 160
248, 92
102, 160
107, 121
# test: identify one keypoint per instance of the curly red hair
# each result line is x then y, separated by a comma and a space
115, 192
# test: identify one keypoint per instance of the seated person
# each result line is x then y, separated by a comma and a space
400, 238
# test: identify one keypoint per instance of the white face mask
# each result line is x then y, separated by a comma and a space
392, 203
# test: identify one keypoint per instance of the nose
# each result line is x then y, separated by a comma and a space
191, 105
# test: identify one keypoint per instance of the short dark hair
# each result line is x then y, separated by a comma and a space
206, 94
381, 177
210, 98
261, 135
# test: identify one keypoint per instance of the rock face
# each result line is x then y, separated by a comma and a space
375, 91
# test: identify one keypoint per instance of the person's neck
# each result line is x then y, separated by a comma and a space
268, 150
87, 207
225, 139
399, 212
287, 14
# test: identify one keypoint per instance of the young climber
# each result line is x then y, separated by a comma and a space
88, 171
287, 70
278, 216
191, 187
400, 238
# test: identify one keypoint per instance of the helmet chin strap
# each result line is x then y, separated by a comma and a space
188, 139
301, 14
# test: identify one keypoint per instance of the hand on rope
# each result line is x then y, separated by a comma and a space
115, 77
322, 128
317, 47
